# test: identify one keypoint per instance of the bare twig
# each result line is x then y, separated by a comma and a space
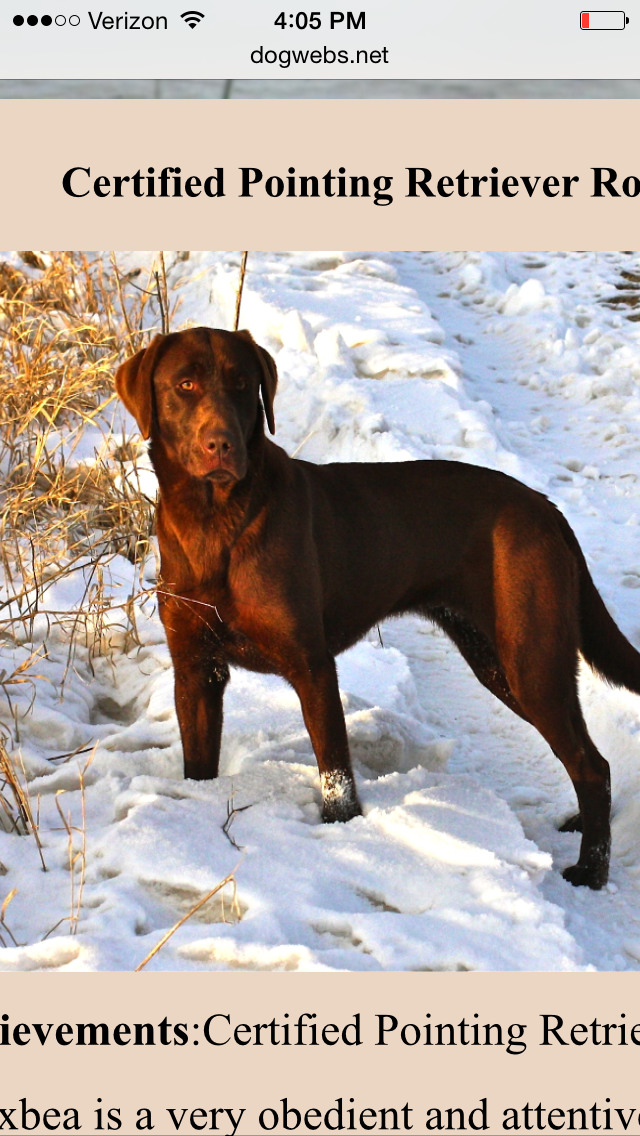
243, 269
304, 442
163, 293
64, 757
232, 813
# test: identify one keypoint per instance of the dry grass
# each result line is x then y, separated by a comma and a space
16, 814
228, 881
66, 323
76, 857
10, 939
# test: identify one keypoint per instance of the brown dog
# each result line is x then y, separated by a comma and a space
278, 565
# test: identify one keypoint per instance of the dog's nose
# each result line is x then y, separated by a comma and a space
218, 442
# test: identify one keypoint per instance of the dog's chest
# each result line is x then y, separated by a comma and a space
223, 620
221, 594
240, 651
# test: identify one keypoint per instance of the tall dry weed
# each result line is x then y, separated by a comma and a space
66, 323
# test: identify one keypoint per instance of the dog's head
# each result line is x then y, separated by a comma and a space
197, 394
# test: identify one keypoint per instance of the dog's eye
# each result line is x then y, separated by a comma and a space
241, 384
187, 385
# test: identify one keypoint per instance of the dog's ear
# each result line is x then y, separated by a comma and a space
133, 383
269, 380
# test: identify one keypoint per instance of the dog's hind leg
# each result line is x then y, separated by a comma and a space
561, 723
537, 635
477, 651
573, 823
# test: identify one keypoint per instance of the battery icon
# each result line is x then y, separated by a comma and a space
603, 21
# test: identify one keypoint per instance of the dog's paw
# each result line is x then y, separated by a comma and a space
571, 824
332, 813
339, 798
581, 876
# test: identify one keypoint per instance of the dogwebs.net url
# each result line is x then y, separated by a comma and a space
286, 57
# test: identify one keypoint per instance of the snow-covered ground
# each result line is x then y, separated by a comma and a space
510, 360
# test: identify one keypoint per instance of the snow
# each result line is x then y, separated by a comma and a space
516, 361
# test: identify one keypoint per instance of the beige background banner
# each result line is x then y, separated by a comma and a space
41, 141
550, 138
232, 1076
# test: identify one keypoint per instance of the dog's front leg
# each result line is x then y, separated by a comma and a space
316, 684
199, 691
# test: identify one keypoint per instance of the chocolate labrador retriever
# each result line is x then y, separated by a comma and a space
278, 565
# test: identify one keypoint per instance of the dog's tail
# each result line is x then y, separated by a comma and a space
602, 643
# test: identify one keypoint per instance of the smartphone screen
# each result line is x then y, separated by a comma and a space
320, 566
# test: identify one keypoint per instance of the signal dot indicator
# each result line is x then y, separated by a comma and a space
46, 20
32, 21
18, 21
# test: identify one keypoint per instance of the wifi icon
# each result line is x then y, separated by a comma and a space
192, 18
